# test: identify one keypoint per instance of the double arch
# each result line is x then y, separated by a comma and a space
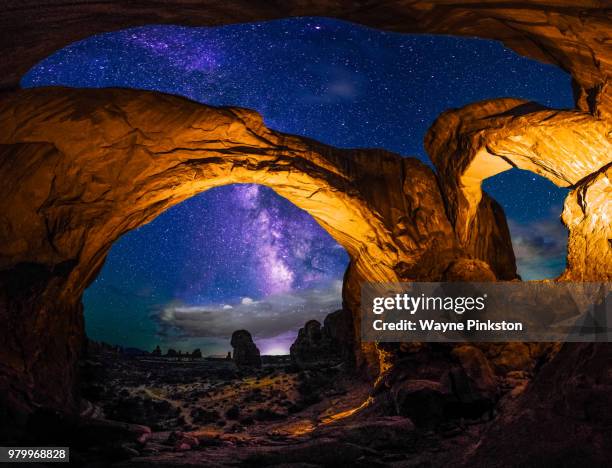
80, 168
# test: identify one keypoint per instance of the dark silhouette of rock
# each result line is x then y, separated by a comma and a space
196, 354
330, 344
101, 435
340, 329
481, 379
157, 351
246, 354
309, 346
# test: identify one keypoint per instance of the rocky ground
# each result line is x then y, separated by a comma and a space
144, 410
208, 411
464, 406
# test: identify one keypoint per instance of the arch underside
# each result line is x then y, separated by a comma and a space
571, 35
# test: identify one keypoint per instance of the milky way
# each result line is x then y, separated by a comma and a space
245, 248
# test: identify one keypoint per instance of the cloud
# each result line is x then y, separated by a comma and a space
540, 248
266, 318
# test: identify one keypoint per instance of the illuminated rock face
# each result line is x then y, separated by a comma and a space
571, 148
588, 215
82, 167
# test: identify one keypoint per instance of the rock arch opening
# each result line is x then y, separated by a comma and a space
204, 304
233, 257
539, 237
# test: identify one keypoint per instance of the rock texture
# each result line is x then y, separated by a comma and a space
567, 409
433, 384
588, 216
81, 168
246, 353
129, 155
573, 35
570, 148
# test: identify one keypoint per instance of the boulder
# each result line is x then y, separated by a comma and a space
246, 353
479, 372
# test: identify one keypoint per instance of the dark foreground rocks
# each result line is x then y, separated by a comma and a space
331, 343
246, 353
465, 406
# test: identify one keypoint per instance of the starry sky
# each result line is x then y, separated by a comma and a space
195, 274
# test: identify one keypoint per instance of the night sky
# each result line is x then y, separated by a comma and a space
241, 256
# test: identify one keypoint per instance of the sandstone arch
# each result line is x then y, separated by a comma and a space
570, 147
41, 274
93, 164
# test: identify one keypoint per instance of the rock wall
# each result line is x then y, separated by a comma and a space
561, 419
587, 213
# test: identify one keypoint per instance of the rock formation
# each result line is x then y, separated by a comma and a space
330, 344
80, 168
98, 163
571, 148
310, 346
246, 353
588, 216
432, 384
571, 35
567, 409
